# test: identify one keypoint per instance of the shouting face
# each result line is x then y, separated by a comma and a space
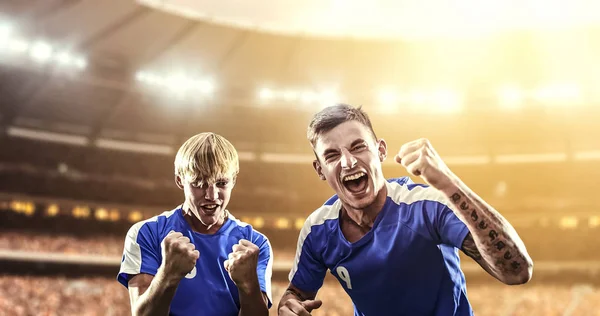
349, 159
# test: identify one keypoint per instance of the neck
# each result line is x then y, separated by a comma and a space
197, 225
365, 217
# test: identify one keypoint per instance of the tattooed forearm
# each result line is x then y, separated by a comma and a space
492, 241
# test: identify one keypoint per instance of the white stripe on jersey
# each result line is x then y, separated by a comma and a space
318, 217
132, 262
401, 194
269, 271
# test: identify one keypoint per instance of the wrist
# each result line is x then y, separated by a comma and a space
168, 279
248, 287
451, 187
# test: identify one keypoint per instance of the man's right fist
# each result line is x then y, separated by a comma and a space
293, 307
179, 255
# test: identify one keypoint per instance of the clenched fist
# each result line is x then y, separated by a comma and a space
420, 159
179, 255
241, 264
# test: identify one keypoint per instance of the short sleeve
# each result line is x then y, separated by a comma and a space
442, 224
141, 253
451, 229
265, 265
308, 271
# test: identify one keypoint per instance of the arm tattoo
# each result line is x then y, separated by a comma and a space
495, 246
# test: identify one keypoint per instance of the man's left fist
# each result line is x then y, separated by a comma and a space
420, 159
242, 262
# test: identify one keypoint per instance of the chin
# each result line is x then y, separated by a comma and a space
360, 203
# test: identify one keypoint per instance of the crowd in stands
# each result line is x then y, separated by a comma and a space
93, 296
542, 244
110, 246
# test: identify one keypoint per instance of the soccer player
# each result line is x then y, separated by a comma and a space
198, 259
393, 244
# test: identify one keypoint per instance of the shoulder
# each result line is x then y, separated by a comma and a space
322, 221
152, 227
330, 210
405, 191
246, 231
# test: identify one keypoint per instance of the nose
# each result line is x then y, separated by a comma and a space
348, 160
211, 193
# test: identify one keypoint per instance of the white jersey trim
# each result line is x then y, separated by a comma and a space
132, 262
318, 217
401, 194
269, 271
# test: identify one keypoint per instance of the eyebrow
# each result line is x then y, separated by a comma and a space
354, 143
357, 142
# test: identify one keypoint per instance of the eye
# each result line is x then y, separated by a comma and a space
359, 147
330, 157
222, 183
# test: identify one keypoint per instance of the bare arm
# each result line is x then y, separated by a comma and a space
252, 300
492, 242
297, 302
151, 295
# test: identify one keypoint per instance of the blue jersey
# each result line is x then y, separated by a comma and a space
407, 264
207, 289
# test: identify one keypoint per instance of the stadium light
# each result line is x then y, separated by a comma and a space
594, 221
205, 86
290, 95
558, 94
299, 223
308, 96
114, 215
387, 97
41, 52
135, 216
81, 63
266, 94
178, 83
388, 101
259, 222
282, 223
81, 211
418, 98
17, 45
328, 98
5, 33
510, 97
447, 101
52, 210
569, 222
101, 214
65, 58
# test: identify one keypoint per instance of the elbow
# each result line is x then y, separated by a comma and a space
523, 277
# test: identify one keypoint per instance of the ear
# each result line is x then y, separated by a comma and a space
179, 182
317, 167
382, 149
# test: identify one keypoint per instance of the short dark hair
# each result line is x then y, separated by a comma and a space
332, 116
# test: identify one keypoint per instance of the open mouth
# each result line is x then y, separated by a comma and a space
209, 208
356, 182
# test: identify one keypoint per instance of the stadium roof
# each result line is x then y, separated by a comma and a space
162, 70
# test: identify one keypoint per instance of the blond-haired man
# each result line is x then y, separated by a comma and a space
198, 259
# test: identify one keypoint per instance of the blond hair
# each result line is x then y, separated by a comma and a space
206, 157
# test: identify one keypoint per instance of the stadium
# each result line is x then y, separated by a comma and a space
97, 96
